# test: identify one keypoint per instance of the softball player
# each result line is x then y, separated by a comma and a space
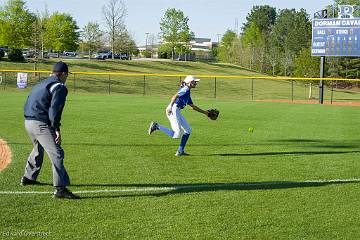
177, 120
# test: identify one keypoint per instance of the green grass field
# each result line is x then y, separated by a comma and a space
226, 89
289, 179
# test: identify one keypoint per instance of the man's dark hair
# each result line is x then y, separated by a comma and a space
60, 67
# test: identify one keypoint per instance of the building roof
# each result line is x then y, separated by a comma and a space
201, 40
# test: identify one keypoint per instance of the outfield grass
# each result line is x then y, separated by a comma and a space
223, 88
236, 184
134, 66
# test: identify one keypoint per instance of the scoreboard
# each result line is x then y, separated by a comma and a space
336, 37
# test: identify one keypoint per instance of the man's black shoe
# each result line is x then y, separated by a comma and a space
64, 193
25, 181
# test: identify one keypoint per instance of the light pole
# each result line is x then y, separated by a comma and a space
147, 34
218, 35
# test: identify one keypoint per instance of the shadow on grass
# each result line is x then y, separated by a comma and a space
319, 143
308, 143
144, 145
140, 67
158, 190
281, 153
105, 67
227, 68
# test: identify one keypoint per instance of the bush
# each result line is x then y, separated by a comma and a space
16, 55
2, 54
146, 53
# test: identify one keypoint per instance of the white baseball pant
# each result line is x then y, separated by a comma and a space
177, 122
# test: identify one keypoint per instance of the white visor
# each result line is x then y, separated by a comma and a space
190, 79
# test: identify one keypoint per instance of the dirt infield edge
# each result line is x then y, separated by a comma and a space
5, 154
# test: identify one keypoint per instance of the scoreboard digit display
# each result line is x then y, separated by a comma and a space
336, 37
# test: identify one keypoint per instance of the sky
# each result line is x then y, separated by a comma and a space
207, 18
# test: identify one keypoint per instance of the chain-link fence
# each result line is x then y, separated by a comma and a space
219, 87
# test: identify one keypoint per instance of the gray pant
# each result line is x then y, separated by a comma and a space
43, 138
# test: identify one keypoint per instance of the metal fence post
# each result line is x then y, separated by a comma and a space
1, 78
252, 89
35, 68
74, 83
109, 85
321, 83
144, 86
332, 92
215, 88
4, 80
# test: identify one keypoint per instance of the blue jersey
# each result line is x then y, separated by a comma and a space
46, 101
184, 97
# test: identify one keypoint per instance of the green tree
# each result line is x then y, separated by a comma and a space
290, 34
349, 67
61, 33
226, 43
39, 29
165, 51
292, 30
253, 39
91, 37
114, 13
263, 16
272, 56
287, 61
175, 31
214, 52
125, 44
305, 65
16, 24
238, 53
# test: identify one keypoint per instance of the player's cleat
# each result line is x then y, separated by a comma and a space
25, 181
178, 154
63, 192
153, 127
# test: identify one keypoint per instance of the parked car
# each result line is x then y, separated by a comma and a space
53, 55
103, 55
6, 50
27, 53
122, 56
70, 54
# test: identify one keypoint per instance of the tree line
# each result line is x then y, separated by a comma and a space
278, 42
58, 32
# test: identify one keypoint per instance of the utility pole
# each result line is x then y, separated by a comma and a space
147, 35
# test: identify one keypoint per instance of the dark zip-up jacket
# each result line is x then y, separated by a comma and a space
46, 102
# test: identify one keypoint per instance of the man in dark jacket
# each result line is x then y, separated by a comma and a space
42, 112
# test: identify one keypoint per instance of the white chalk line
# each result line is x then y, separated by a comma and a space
191, 187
